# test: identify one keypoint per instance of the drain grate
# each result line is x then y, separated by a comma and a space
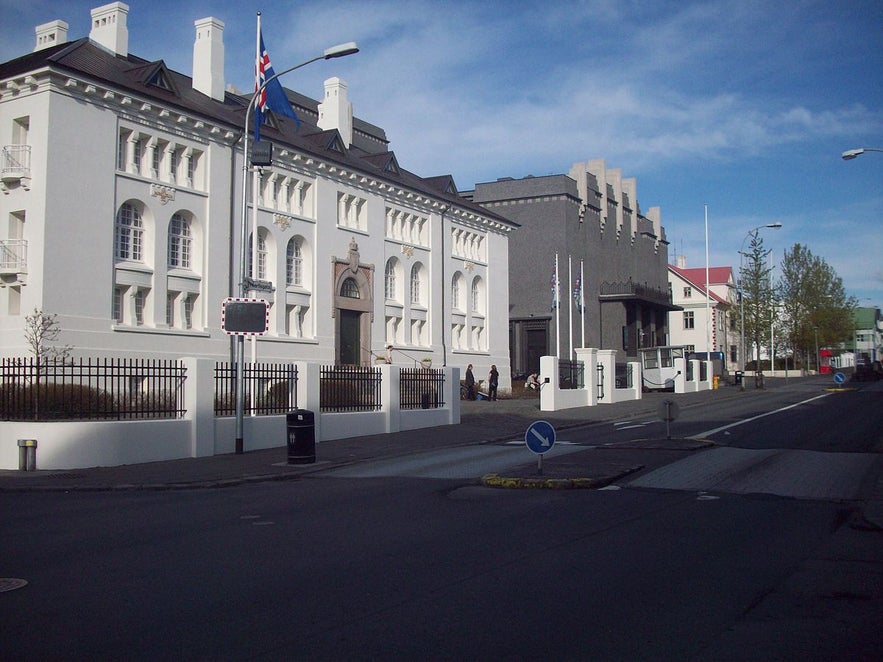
11, 583
64, 475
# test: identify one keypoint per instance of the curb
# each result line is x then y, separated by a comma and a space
516, 482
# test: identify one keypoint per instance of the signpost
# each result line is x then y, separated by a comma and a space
839, 378
540, 437
668, 411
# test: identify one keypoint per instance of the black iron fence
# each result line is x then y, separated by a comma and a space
268, 388
349, 388
90, 389
421, 388
624, 377
570, 374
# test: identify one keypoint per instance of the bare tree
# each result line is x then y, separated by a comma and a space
41, 331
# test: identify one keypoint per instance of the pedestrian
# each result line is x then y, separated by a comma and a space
533, 382
493, 377
470, 383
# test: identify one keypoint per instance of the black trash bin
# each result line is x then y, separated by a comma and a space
301, 425
738, 376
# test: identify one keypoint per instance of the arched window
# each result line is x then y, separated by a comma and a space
129, 234
350, 289
294, 262
416, 285
477, 302
180, 242
261, 271
456, 303
389, 280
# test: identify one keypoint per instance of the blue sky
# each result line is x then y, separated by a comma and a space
741, 105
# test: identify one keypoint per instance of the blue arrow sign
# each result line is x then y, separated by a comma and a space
839, 377
540, 437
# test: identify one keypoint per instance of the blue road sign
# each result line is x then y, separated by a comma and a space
540, 437
839, 377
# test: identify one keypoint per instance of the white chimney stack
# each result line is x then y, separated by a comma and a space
109, 28
50, 34
208, 58
335, 111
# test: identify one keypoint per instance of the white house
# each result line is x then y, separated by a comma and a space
704, 324
120, 213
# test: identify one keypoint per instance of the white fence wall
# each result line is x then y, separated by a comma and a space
81, 444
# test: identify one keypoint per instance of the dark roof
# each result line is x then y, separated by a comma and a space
134, 75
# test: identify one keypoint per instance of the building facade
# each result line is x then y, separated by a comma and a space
121, 213
704, 322
612, 278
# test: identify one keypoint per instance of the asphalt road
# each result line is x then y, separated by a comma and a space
400, 567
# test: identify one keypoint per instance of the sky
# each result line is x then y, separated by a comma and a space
736, 111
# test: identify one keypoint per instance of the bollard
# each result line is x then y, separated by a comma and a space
27, 454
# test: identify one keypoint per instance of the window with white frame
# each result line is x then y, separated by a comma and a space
180, 243
455, 292
689, 319
129, 234
416, 285
261, 271
294, 262
477, 296
389, 280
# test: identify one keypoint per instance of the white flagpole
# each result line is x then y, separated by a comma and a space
582, 305
557, 308
707, 295
255, 183
569, 308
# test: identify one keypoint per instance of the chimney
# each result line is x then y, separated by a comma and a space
208, 58
335, 111
109, 28
50, 34
681, 261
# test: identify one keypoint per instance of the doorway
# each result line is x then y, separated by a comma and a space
350, 337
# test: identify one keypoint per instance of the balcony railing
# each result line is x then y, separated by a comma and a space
15, 163
13, 256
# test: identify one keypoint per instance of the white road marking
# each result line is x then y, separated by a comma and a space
708, 433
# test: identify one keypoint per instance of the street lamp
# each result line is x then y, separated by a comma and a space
752, 231
341, 50
850, 154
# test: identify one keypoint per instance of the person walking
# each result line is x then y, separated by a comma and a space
470, 383
493, 377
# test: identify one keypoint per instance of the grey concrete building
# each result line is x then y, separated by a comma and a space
589, 218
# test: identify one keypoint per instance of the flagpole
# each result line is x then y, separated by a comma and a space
557, 311
582, 305
569, 308
707, 295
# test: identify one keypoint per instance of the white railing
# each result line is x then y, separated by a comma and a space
13, 256
15, 162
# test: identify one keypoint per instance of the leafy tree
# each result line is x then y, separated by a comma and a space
814, 303
756, 311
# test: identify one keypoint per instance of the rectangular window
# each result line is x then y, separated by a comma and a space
188, 311
139, 307
170, 308
118, 305
688, 292
733, 353
689, 320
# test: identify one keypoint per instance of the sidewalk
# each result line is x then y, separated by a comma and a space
481, 422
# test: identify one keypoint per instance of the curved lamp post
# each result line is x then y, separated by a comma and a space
775, 225
341, 50
850, 154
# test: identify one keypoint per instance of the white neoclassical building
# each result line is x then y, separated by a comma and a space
120, 212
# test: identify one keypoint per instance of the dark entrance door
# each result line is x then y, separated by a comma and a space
350, 337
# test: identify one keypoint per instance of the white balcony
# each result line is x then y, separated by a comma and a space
15, 163
13, 257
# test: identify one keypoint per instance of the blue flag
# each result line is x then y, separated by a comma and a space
272, 97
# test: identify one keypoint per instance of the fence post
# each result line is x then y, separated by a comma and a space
308, 393
589, 357
637, 380
390, 376
199, 400
548, 382
607, 358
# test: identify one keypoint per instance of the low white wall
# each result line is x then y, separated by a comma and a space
82, 444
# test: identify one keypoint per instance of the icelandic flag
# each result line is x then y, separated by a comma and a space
272, 97
554, 286
578, 294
